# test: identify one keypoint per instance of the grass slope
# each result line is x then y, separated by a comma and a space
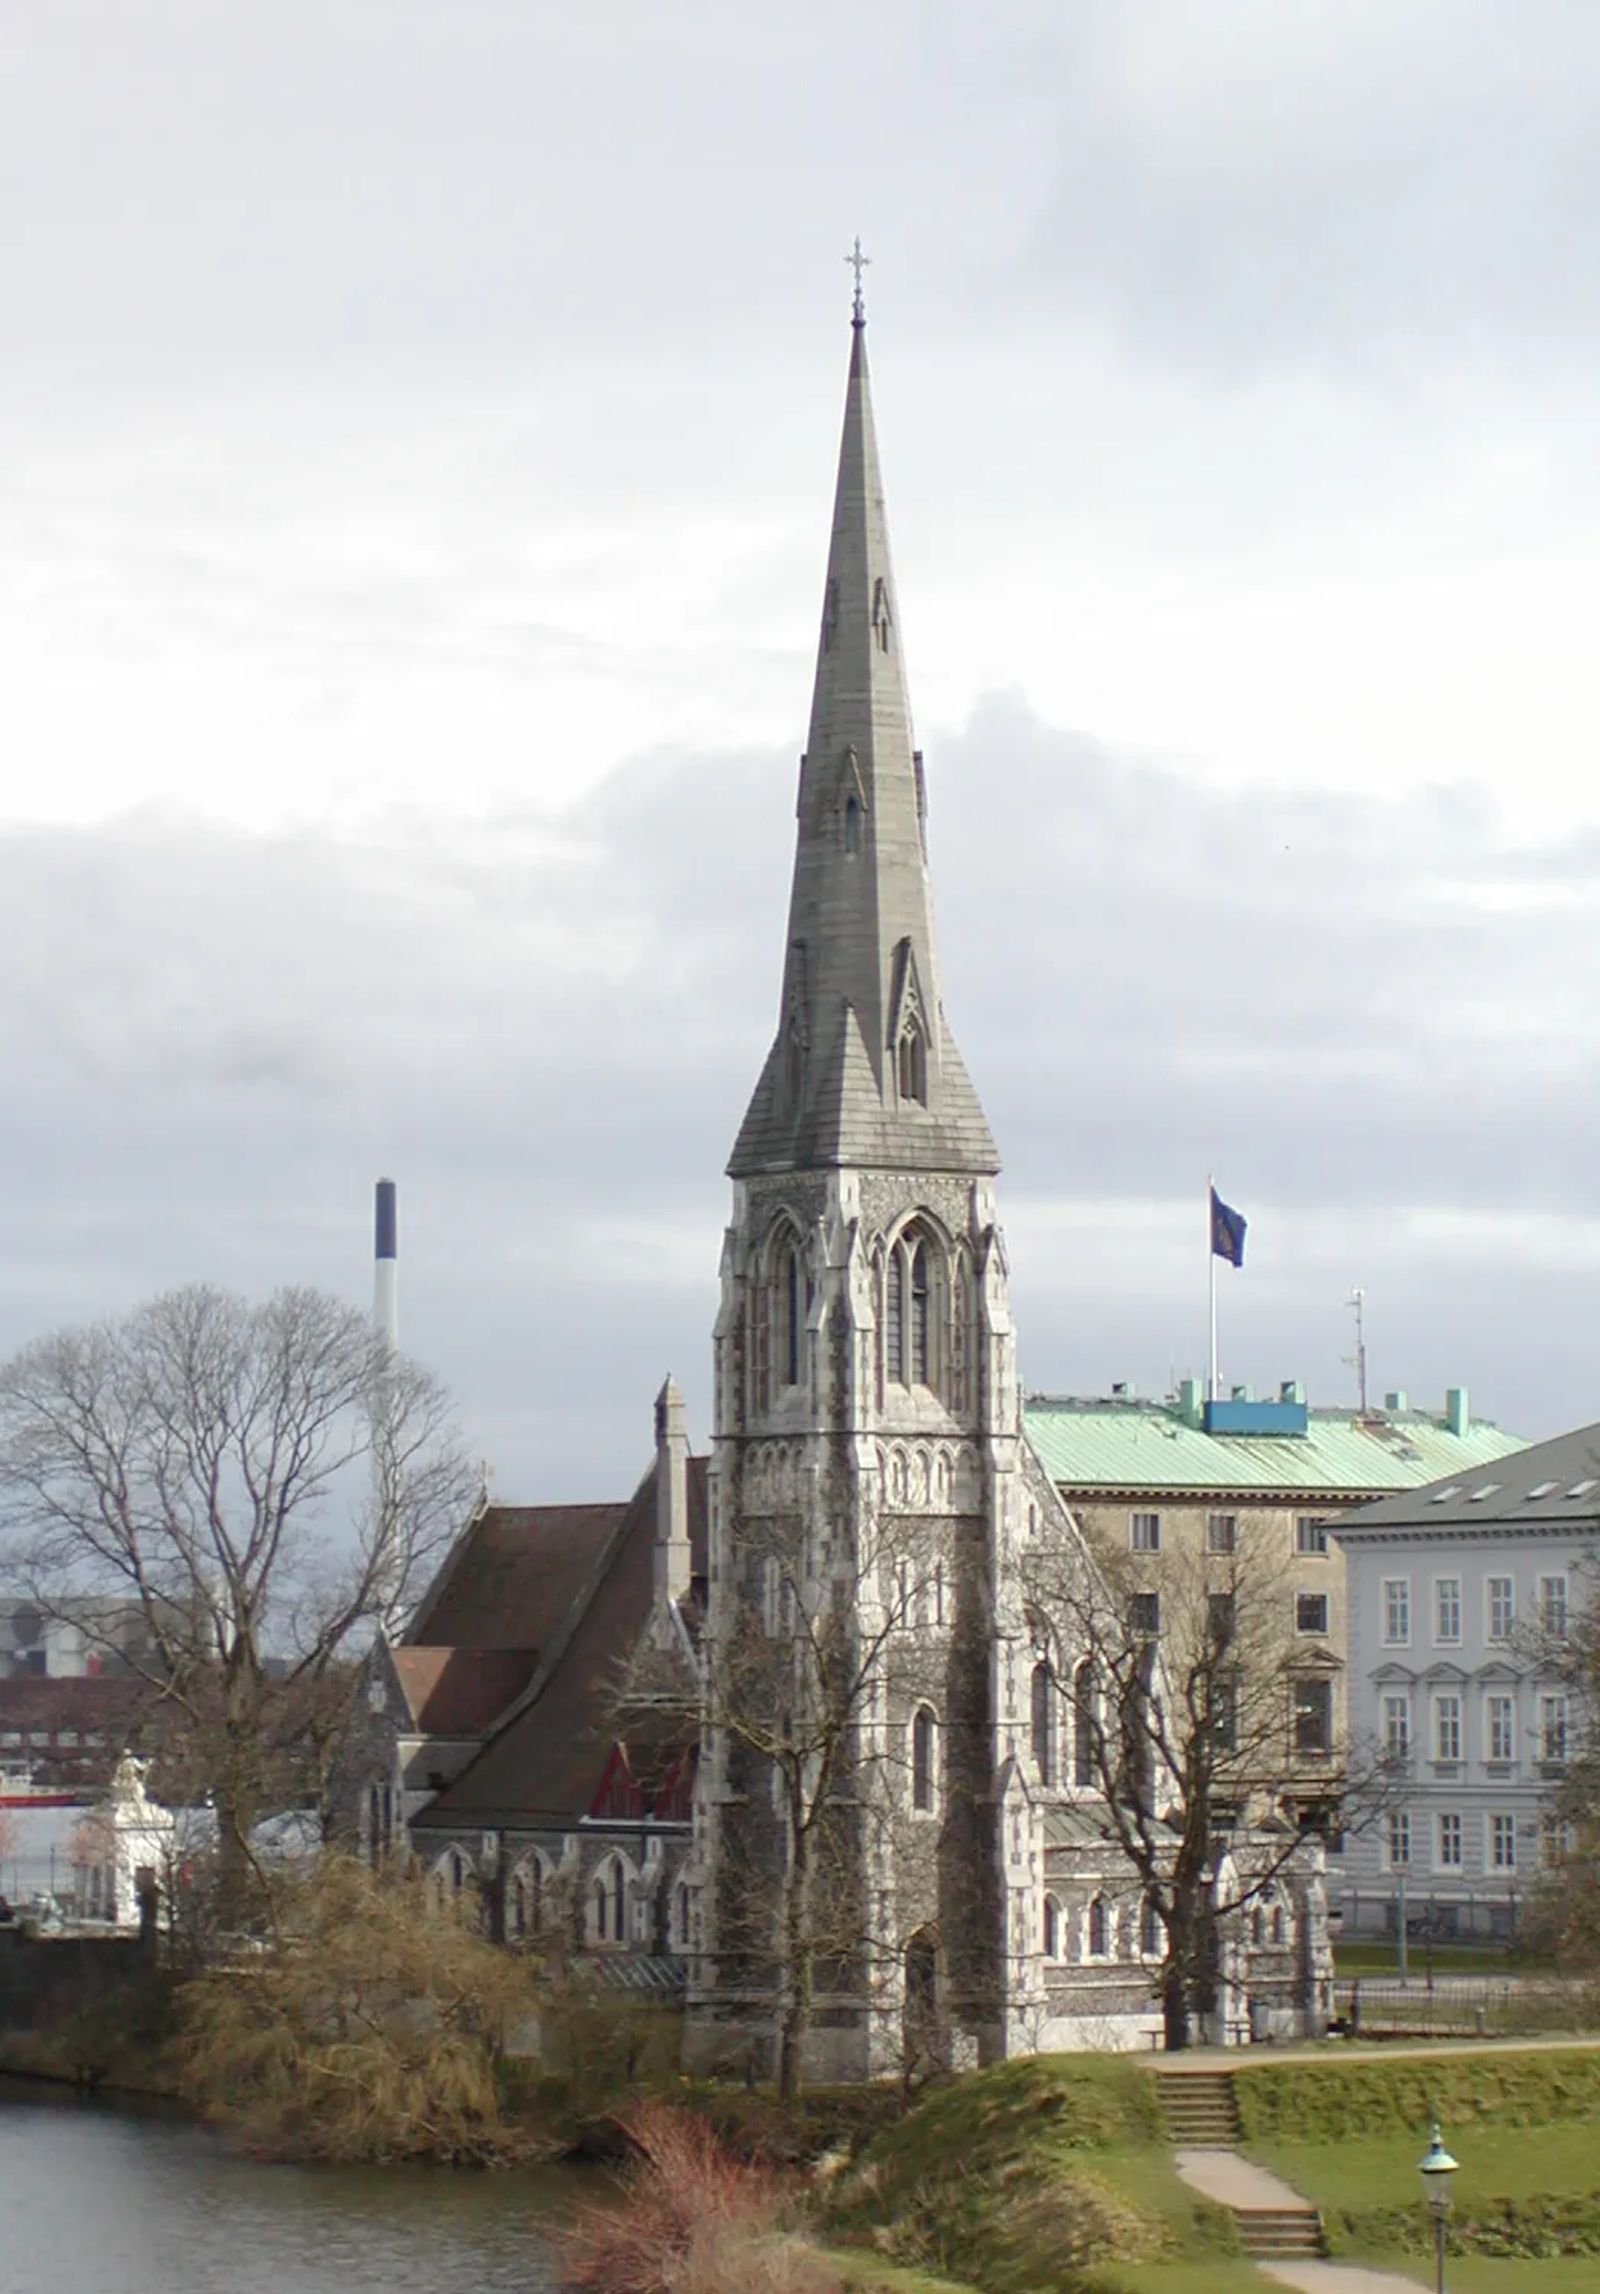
1041, 2176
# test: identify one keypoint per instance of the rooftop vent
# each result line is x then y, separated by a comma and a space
1398, 1400
1541, 1489
1582, 1489
1484, 1489
1291, 1390
1443, 1497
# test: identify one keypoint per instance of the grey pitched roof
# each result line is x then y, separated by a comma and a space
1550, 1486
860, 952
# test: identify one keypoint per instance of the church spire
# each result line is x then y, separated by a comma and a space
864, 1070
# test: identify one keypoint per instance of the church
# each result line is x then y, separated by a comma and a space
774, 1735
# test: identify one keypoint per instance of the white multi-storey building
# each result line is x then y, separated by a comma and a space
1458, 1596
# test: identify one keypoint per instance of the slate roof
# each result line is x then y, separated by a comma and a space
544, 1761
1548, 1488
1090, 1447
460, 1692
512, 1576
859, 950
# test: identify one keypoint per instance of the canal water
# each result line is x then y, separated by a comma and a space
95, 2200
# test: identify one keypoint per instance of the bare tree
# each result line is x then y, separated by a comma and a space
806, 1687
1191, 1713
1563, 1650
264, 1485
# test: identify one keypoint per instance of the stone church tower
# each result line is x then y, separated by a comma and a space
869, 1478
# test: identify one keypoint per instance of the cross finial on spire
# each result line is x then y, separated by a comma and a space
858, 263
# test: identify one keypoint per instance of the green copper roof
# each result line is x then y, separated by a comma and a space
1127, 1445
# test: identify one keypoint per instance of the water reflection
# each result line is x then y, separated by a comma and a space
95, 2198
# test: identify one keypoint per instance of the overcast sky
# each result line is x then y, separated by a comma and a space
416, 438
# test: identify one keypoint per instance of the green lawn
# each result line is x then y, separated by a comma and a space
1497, 2162
1444, 1959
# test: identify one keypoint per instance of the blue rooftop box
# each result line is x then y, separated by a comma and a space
1256, 1418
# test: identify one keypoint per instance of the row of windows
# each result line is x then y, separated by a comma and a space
1310, 1614
924, 1316
1310, 1721
1499, 1610
1404, 1840
60, 1739
1097, 1933
1222, 1533
1499, 1738
613, 1895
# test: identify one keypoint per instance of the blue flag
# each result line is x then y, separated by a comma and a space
1227, 1231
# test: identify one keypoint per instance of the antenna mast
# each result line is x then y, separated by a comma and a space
1357, 1302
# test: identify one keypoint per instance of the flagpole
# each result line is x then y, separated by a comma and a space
1211, 1265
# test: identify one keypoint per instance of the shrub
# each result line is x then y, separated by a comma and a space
691, 2219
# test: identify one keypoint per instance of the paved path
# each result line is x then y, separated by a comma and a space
1235, 2181
1337, 2278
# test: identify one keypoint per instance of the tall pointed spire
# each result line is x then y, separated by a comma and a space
863, 1070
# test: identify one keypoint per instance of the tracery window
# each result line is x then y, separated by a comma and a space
779, 1322
608, 1903
916, 1311
1052, 1928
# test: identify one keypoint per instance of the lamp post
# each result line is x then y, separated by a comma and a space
1436, 2170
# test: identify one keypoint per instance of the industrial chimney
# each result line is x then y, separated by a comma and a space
386, 1268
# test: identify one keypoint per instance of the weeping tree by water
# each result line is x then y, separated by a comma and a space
371, 2025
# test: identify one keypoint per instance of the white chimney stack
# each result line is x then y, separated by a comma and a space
386, 1265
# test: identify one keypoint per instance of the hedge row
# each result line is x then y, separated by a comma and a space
1529, 2229
1322, 2101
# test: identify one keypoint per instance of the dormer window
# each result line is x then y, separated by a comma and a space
911, 1064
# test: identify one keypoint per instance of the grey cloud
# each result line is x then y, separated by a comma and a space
548, 1036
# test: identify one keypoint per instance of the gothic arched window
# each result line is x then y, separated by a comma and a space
608, 1904
1084, 1692
1042, 1747
1099, 1929
894, 1319
1052, 1928
791, 1305
1150, 1931
916, 1303
852, 824
923, 1739
779, 1322
919, 1315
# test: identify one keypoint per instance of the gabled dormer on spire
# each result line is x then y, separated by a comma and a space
864, 1070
